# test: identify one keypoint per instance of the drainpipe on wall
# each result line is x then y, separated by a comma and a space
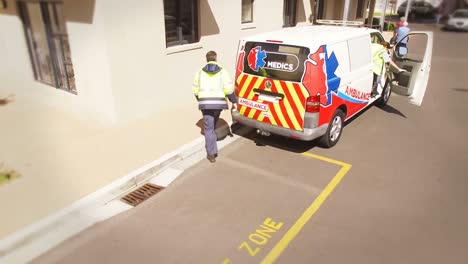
382, 16
370, 16
313, 15
407, 9
346, 12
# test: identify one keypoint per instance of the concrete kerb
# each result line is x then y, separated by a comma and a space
38, 238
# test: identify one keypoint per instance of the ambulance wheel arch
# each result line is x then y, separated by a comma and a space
415, 57
334, 130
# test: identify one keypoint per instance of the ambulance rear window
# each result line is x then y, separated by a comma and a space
276, 61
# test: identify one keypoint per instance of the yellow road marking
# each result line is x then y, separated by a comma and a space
310, 211
336, 162
227, 261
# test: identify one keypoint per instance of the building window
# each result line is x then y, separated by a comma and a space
181, 20
247, 11
47, 39
289, 16
360, 9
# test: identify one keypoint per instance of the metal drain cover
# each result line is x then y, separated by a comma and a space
141, 194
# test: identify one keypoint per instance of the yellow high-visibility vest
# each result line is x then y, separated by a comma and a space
377, 60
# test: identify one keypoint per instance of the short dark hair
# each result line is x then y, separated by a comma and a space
211, 56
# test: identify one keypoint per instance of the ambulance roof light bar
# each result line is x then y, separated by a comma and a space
339, 22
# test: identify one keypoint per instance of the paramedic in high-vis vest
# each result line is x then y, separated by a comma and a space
380, 57
211, 85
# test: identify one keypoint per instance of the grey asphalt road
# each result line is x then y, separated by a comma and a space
402, 201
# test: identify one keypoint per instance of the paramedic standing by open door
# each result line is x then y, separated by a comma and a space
380, 57
211, 85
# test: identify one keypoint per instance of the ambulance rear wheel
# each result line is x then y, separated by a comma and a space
334, 130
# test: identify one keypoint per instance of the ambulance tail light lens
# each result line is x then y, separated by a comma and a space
313, 104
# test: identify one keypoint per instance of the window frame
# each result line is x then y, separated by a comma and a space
251, 12
360, 9
61, 74
374, 36
274, 49
194, 27
290, 13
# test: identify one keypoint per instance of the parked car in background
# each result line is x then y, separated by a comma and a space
458, 20
418, 8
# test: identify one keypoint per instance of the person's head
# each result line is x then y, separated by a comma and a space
402, 19
386, 44
211, 56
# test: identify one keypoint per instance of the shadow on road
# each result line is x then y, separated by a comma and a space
275, 141
392, 110
460, 89
290, 144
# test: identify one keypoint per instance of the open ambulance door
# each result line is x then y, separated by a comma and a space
415, 57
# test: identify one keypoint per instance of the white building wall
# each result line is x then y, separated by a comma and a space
134, 101
90, 62
149, 78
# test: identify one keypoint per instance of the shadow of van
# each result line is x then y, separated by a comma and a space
276, 141
294, 145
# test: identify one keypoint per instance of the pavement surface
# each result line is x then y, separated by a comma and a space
391, 191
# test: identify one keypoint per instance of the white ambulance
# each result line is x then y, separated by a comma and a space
305, 82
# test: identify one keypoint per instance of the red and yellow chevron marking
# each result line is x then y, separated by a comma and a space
288, 113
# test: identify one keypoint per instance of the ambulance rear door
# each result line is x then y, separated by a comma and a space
269, 87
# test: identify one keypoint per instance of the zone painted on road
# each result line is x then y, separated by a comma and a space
278, 249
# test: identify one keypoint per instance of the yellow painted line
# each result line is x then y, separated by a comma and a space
227, 261
310, 211
336, 162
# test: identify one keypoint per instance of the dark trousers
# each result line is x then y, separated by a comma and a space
210, 119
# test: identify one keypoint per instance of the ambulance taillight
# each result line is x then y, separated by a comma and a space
313, 104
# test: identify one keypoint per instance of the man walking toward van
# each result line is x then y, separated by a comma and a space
211, 85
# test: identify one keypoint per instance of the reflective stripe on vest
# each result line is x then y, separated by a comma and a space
211, 89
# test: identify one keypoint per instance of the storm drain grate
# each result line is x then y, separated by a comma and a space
141, 194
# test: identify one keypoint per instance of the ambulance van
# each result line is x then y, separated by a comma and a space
305, 82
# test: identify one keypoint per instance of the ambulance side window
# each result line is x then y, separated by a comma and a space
376, 38
359, 52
